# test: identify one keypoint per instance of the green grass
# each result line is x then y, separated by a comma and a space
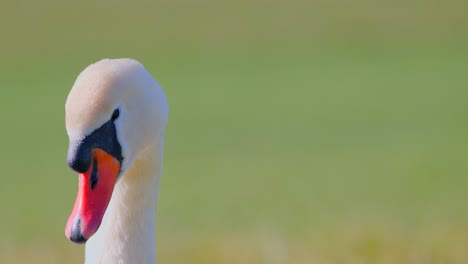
298, 133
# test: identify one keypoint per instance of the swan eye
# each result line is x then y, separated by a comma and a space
115, 114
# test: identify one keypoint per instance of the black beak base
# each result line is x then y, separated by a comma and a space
80, 157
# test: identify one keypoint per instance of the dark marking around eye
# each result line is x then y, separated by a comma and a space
115, 114
94, 176
80, 157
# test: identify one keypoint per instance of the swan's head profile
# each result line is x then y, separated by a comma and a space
114, 111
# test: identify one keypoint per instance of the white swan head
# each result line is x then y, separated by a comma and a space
113, 112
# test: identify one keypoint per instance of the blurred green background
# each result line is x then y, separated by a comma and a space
300, 131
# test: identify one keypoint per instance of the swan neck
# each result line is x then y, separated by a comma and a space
127, 232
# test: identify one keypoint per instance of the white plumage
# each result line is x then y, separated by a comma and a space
127, 231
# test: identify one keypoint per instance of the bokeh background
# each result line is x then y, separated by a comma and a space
300, 131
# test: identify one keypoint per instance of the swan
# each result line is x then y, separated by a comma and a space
115, 117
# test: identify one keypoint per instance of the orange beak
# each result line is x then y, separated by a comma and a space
94, 193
